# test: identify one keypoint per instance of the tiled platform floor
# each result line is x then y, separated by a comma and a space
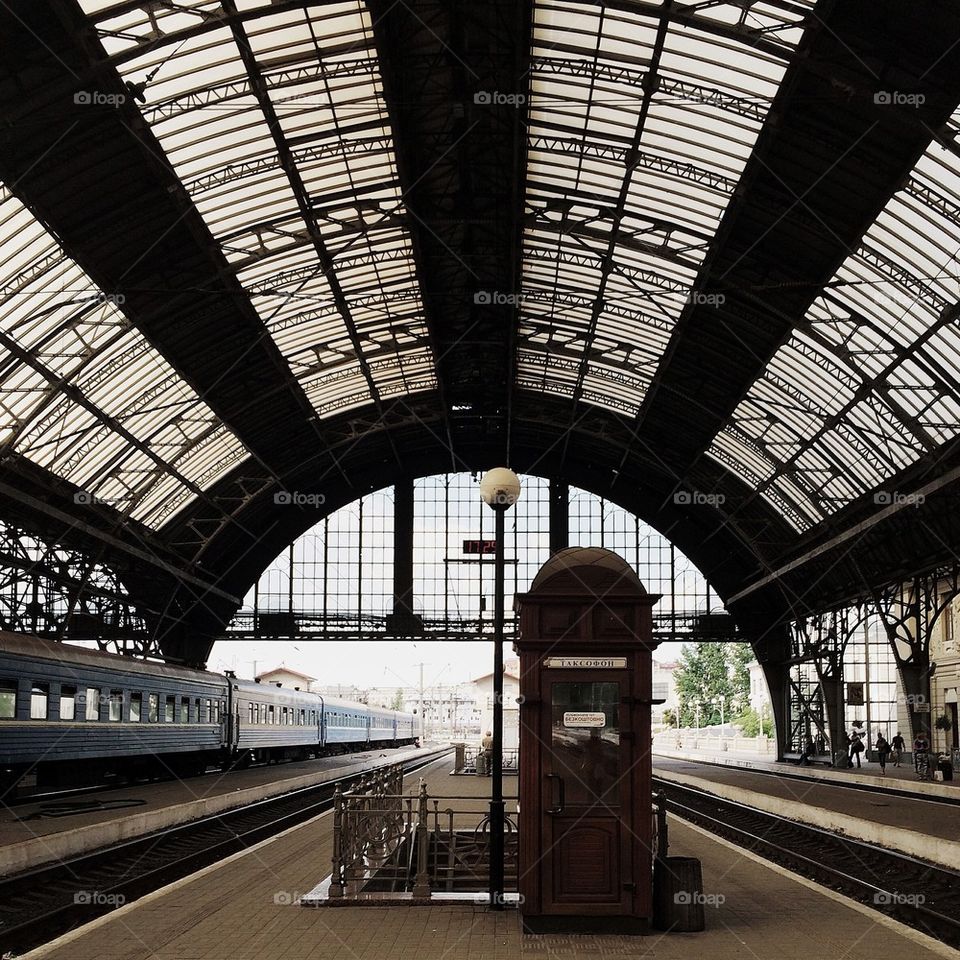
243, 909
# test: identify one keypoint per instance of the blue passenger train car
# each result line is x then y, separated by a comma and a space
71, 716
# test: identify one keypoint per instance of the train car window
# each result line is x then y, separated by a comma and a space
116, 705
68, 703
169, 709
209, 715
184, 711
39, 699
8, 699
249, 713
303, 718
92, 711
196, 708
153, 708
271, 714
136, 699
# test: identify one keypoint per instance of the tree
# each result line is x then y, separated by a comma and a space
702, 677
397, 702
740, 656
751, 723
668, 718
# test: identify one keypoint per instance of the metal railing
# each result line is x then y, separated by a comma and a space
371, 821
386, 842
465, 759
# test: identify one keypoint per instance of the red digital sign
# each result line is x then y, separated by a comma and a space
479, 546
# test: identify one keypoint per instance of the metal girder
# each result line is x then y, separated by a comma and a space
649, 88
307, 212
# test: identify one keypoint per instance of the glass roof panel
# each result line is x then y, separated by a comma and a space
128, 403
291, 164
622, 215
880, 357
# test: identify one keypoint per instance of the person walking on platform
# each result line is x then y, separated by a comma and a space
856, 748
883, 748
898, 748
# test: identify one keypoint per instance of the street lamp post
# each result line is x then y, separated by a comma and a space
500, 490
719, 702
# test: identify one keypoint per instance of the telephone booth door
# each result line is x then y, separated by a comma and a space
585, 832
586, 793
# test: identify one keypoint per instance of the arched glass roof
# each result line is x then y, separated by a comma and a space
639, 124
871, 380
278, 130
622, 204
83, 394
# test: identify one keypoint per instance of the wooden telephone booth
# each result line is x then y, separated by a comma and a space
585, 823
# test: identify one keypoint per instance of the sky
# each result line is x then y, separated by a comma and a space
372, 664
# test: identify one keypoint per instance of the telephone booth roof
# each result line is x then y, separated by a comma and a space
577, 569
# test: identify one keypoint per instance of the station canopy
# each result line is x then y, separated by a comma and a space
700, 257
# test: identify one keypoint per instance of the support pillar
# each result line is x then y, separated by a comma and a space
403, 621
559, 516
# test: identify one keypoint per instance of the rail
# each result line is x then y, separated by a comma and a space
415, 844
418, 847
42, 903
467, 756
915, 892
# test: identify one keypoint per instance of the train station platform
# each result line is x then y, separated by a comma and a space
902, 778
246, 907
35, 833
919, 819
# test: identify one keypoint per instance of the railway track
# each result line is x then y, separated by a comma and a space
887, 788
923, 895
41, 904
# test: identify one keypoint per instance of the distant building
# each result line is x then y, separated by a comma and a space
483, 687
341, 691
759, 694
286, 677
664, 688
945, 682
